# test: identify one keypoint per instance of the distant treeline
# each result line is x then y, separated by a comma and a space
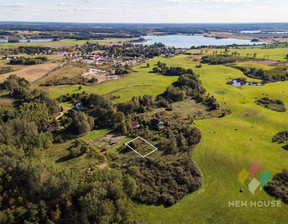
279, 73
28, 61
35, 50
218, 59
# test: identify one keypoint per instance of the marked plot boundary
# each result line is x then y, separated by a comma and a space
127, 144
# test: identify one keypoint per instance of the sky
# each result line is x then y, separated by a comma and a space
145, 11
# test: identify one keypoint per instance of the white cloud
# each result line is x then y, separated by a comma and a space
232, 1
177, 1
17, 5
64, 4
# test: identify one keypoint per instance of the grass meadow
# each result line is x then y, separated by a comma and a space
273, 54
137, 83
228, 145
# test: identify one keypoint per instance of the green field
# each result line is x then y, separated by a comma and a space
137, 83
63, 43
273, 54
223, 154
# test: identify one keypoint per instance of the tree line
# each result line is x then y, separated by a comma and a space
28, 61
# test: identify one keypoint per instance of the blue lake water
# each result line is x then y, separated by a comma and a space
181, 41
25, 41
237, 83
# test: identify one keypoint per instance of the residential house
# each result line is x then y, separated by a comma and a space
79, 106
156, 123
135, 125
50, 127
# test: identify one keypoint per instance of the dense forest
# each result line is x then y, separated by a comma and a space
34, 193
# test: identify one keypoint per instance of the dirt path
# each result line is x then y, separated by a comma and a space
62, 113
48, 73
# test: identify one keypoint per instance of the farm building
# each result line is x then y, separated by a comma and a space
135, 125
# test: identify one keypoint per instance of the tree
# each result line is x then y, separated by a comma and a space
81, 123
56, 122
181, 141
129, 185
172, 147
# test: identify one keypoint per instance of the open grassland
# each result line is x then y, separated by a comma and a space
69, 70
225, 151
271, 54
31, 72
254, 64
137, 83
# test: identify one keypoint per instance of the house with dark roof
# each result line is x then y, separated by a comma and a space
156, 123
50, 127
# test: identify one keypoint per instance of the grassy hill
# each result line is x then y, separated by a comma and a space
225, 151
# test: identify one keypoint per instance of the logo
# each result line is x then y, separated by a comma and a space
251, 175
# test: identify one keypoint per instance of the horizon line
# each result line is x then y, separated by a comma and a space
145, 22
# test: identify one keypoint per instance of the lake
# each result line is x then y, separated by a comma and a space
25, 41
181, 41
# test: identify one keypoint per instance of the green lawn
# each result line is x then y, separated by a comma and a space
222, 155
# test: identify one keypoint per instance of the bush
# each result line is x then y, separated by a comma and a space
161, 182
278, 187
281, 137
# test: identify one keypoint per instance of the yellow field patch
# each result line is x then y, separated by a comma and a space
31, 72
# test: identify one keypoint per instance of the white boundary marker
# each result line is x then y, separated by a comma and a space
155, 149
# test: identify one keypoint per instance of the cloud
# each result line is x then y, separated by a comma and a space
17, 5
106, 1
207, 1
64, 4
177, 1
232, 1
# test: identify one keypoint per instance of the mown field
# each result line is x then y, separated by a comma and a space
225, 151
30, 72
273, 54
